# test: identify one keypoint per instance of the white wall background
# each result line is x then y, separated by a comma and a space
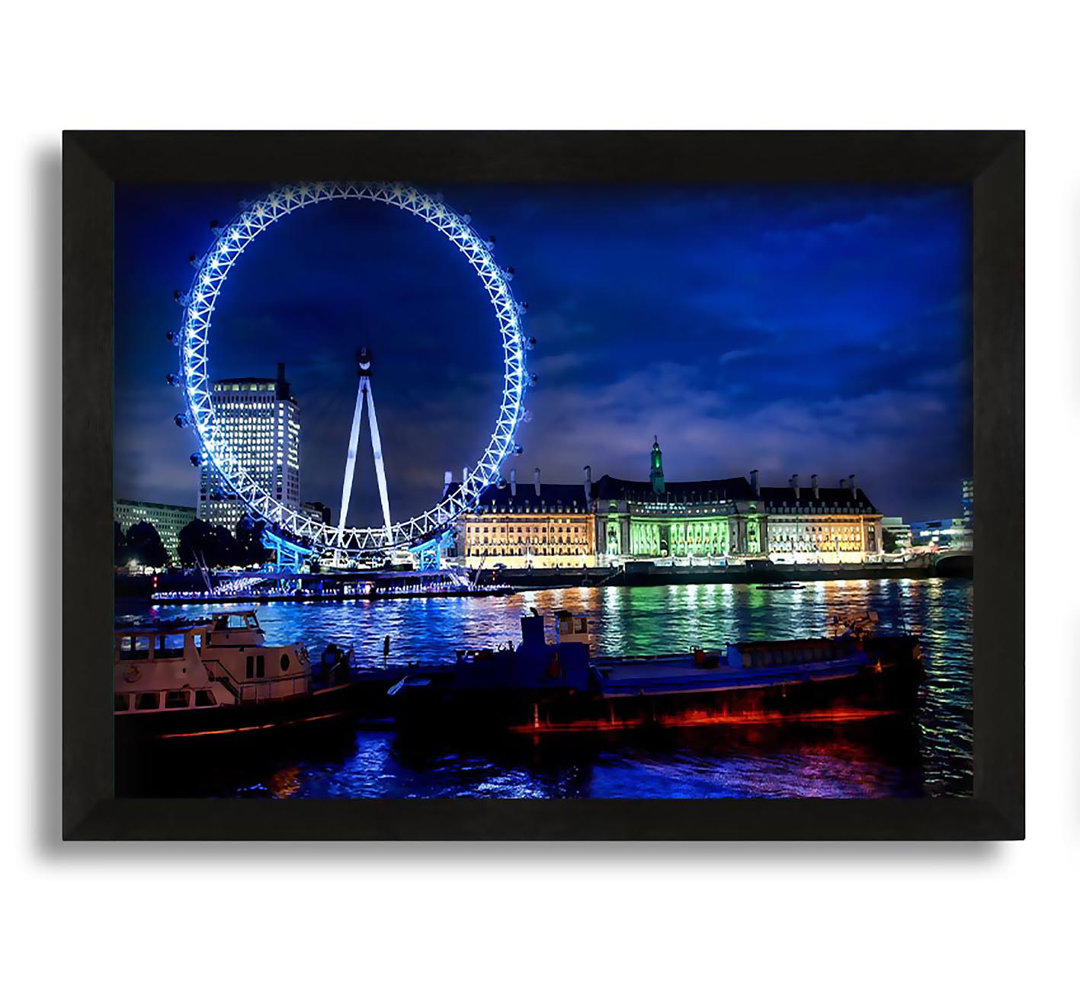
523, 921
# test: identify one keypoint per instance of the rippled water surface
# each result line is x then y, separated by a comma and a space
929, 757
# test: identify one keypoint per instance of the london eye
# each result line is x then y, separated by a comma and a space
193, 343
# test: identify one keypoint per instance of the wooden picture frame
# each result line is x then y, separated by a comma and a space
93, 162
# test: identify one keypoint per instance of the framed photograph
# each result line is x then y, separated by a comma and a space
663, 526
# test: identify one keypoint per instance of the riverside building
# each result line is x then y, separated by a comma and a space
822, 524
952, 533
261, 421
732, 520
316, 510
168, 520
717, 521
542, 526
895, 535
648, 520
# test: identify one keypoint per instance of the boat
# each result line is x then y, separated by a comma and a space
554, 686
216, 677
780, 586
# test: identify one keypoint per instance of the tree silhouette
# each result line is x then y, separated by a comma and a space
201, 541
120, 552
249, 541
144, 545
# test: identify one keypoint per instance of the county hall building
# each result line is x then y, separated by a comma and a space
615, 521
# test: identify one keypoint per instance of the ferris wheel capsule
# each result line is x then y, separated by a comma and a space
172, 379
195, 459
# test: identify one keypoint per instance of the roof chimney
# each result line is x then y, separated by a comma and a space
795, 485
854, 491
536, 480
754, 482
513, 482
588, 484
814, 486
843, 484
281, 385
447, 479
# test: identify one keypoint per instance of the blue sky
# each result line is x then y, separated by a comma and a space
812, 330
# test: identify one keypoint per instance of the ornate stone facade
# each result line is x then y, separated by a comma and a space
543, 526
715, 521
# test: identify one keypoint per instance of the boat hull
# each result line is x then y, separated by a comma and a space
883, 688
365, 696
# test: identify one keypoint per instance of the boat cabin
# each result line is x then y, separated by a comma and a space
235, 628
570, 627
789, 652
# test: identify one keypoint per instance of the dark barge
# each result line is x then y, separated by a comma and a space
549, 687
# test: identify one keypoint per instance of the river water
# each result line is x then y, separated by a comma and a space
931, 756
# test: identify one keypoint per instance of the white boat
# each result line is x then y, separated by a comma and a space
217, 676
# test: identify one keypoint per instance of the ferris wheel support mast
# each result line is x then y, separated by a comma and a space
363, 392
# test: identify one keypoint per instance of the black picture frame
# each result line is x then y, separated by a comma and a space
991, 161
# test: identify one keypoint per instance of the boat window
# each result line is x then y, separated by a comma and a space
250, 667
260, 667
121, 703
135, 647
581, 625
147, 701
204, 698
170, 647
284, 662
176, 699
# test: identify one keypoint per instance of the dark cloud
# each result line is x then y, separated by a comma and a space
794, 330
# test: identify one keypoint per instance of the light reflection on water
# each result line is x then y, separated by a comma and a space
931, 757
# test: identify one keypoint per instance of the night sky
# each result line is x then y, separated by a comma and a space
811, 330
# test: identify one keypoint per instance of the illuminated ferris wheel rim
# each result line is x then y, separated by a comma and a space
211, 272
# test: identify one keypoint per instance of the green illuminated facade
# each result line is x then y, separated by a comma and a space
735, 519
715, 521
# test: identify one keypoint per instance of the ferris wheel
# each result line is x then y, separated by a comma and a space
193, 343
